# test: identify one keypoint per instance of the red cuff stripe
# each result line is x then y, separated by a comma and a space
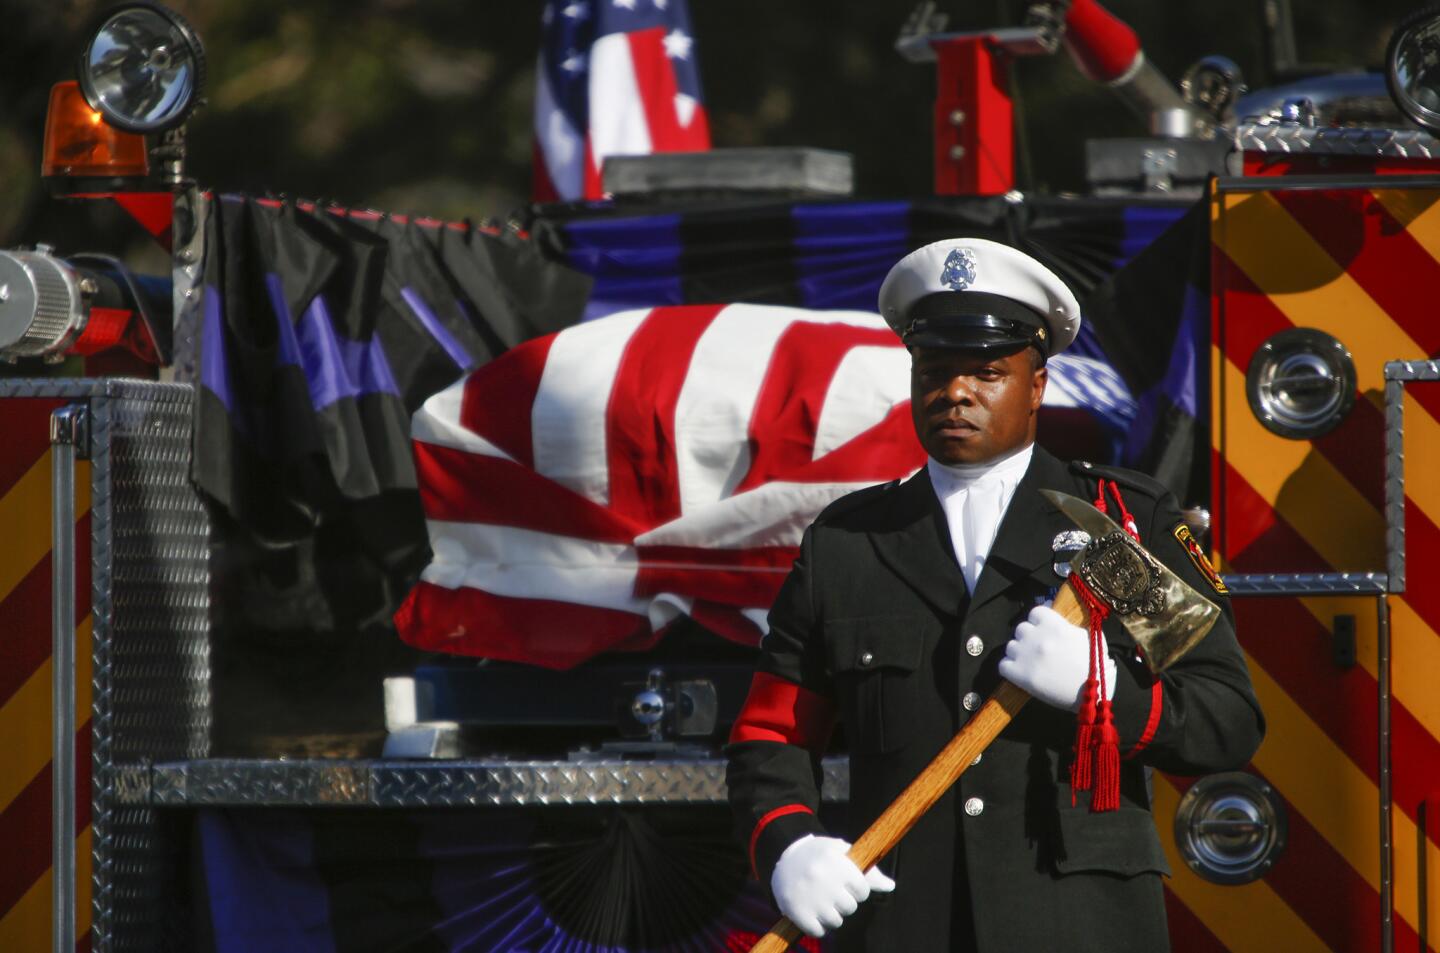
764, 822
780, 710
1157, 704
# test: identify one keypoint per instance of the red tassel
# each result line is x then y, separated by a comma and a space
1127, 519
1097, 735
1106, 796
1086, 739
1090, 719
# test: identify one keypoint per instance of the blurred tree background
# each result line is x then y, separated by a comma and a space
424, 105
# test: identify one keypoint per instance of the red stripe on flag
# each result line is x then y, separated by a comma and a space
779, 710
557, 635
778, 558
497, 404
640, 416
699, 128
594, 187
887, 451
790, 401
655, 79
735, 577
457, 486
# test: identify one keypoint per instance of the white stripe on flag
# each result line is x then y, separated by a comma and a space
617, 112
526, 564
727, 369
562, 147
568, 418
523, 564
866, 386
712, 413
438, 422
772, 514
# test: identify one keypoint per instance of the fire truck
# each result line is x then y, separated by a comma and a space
1293, 231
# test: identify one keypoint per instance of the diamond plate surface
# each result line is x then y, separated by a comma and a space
408, 784
1395, 479
1306, 583
1321, 140
150, 640
1412, 371
1397, 374
151, 671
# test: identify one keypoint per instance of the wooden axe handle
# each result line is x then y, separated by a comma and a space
936, 779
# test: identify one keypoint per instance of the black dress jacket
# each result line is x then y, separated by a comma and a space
874, 624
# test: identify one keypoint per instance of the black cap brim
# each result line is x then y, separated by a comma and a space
974, 321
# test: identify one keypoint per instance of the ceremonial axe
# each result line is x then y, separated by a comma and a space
1163, 615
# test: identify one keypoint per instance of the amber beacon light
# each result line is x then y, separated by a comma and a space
80, 144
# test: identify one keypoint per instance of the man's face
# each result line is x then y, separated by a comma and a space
970, 407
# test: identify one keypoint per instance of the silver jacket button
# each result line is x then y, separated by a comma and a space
971, 701
974, 806
866, 658
974, 645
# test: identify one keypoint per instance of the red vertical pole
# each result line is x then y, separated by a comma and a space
974, 119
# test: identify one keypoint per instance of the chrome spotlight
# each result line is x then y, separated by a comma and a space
143, 69
1301, 383
1230, 828
1412, 66
42, 306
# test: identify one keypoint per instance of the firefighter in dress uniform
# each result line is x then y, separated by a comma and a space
907, 604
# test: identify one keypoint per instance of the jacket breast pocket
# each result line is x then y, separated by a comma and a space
1122, 842
874, 662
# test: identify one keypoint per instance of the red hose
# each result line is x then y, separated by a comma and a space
1104, 48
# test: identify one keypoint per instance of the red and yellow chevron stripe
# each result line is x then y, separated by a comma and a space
1361, 265
25, 680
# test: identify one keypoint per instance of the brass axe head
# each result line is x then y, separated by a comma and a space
1163, 615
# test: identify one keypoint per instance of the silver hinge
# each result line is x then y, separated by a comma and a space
71, 425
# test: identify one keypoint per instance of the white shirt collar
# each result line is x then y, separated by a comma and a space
974, 523
950, 478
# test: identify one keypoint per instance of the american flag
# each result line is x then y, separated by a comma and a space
615, 77
585, 489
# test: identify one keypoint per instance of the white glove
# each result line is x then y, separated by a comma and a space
816, 886
1050, 659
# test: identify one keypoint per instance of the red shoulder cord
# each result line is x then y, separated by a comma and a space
1096, 766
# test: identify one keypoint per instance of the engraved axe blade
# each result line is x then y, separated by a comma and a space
1164, 615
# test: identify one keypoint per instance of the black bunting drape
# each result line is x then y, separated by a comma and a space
320, 334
